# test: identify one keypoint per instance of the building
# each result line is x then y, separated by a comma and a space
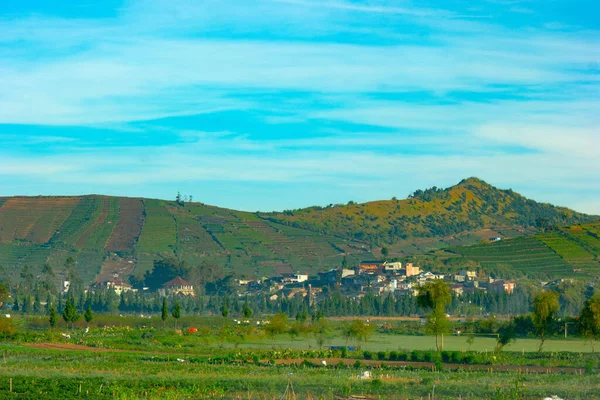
411, 270
370, 267
179, 286
507, 286
117, 285
392, 267
469, 275
347, 272
457, 289
329, 277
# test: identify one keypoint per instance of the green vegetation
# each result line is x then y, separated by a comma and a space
563, 252
468, 206
129, 358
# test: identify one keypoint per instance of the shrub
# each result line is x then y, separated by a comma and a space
367, 355
381, 355
589, 366
394, 356
447, 356
357, 364
7, 329
416, 355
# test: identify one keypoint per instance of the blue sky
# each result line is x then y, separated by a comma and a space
275, 104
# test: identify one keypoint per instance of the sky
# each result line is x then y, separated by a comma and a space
281, 104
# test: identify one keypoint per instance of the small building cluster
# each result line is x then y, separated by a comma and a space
379, 277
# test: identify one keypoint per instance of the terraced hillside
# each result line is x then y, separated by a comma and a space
564, 251
109, 235
122, 236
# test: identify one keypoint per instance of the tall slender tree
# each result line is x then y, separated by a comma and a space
165, 310
435, 296
176, 313
545, 306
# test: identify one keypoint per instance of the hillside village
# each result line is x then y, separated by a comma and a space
373, 276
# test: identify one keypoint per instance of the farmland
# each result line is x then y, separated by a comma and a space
132, 358
563, 252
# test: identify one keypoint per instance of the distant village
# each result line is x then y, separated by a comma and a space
378, 277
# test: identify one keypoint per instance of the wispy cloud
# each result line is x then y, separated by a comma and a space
331, 95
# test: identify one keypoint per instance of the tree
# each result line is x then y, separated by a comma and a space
247, 311
589, 319
322, 331
4, 294
176, 313
385, 252
435, 296
53, 316
70, 312
165, 311
545, 305
224, 310
277, 325
88, 314
361, 330
506, 334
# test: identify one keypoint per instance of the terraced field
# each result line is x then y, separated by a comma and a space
526, 254
34, 220
127, 222
79, 220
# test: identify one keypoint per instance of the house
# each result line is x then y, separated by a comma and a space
507, 286
459, 278
411, 270
116, 284
328, 277
392, 267
469, 275
347, 272
179, 286
370, 267
457, 289
295, 278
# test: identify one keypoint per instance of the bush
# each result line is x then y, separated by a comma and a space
589, 366
394, 356
357, 364
447, 356
7, 329
416, 355
381, 355
367, 355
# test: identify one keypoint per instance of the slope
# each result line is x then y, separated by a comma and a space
560, 252
468, 206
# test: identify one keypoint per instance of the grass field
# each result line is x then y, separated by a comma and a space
385, 342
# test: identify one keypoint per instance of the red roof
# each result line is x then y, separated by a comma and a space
178, 281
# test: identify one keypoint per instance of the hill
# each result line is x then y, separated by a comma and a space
470, 206
116, 235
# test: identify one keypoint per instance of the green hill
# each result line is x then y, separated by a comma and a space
116, 235
470, 206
